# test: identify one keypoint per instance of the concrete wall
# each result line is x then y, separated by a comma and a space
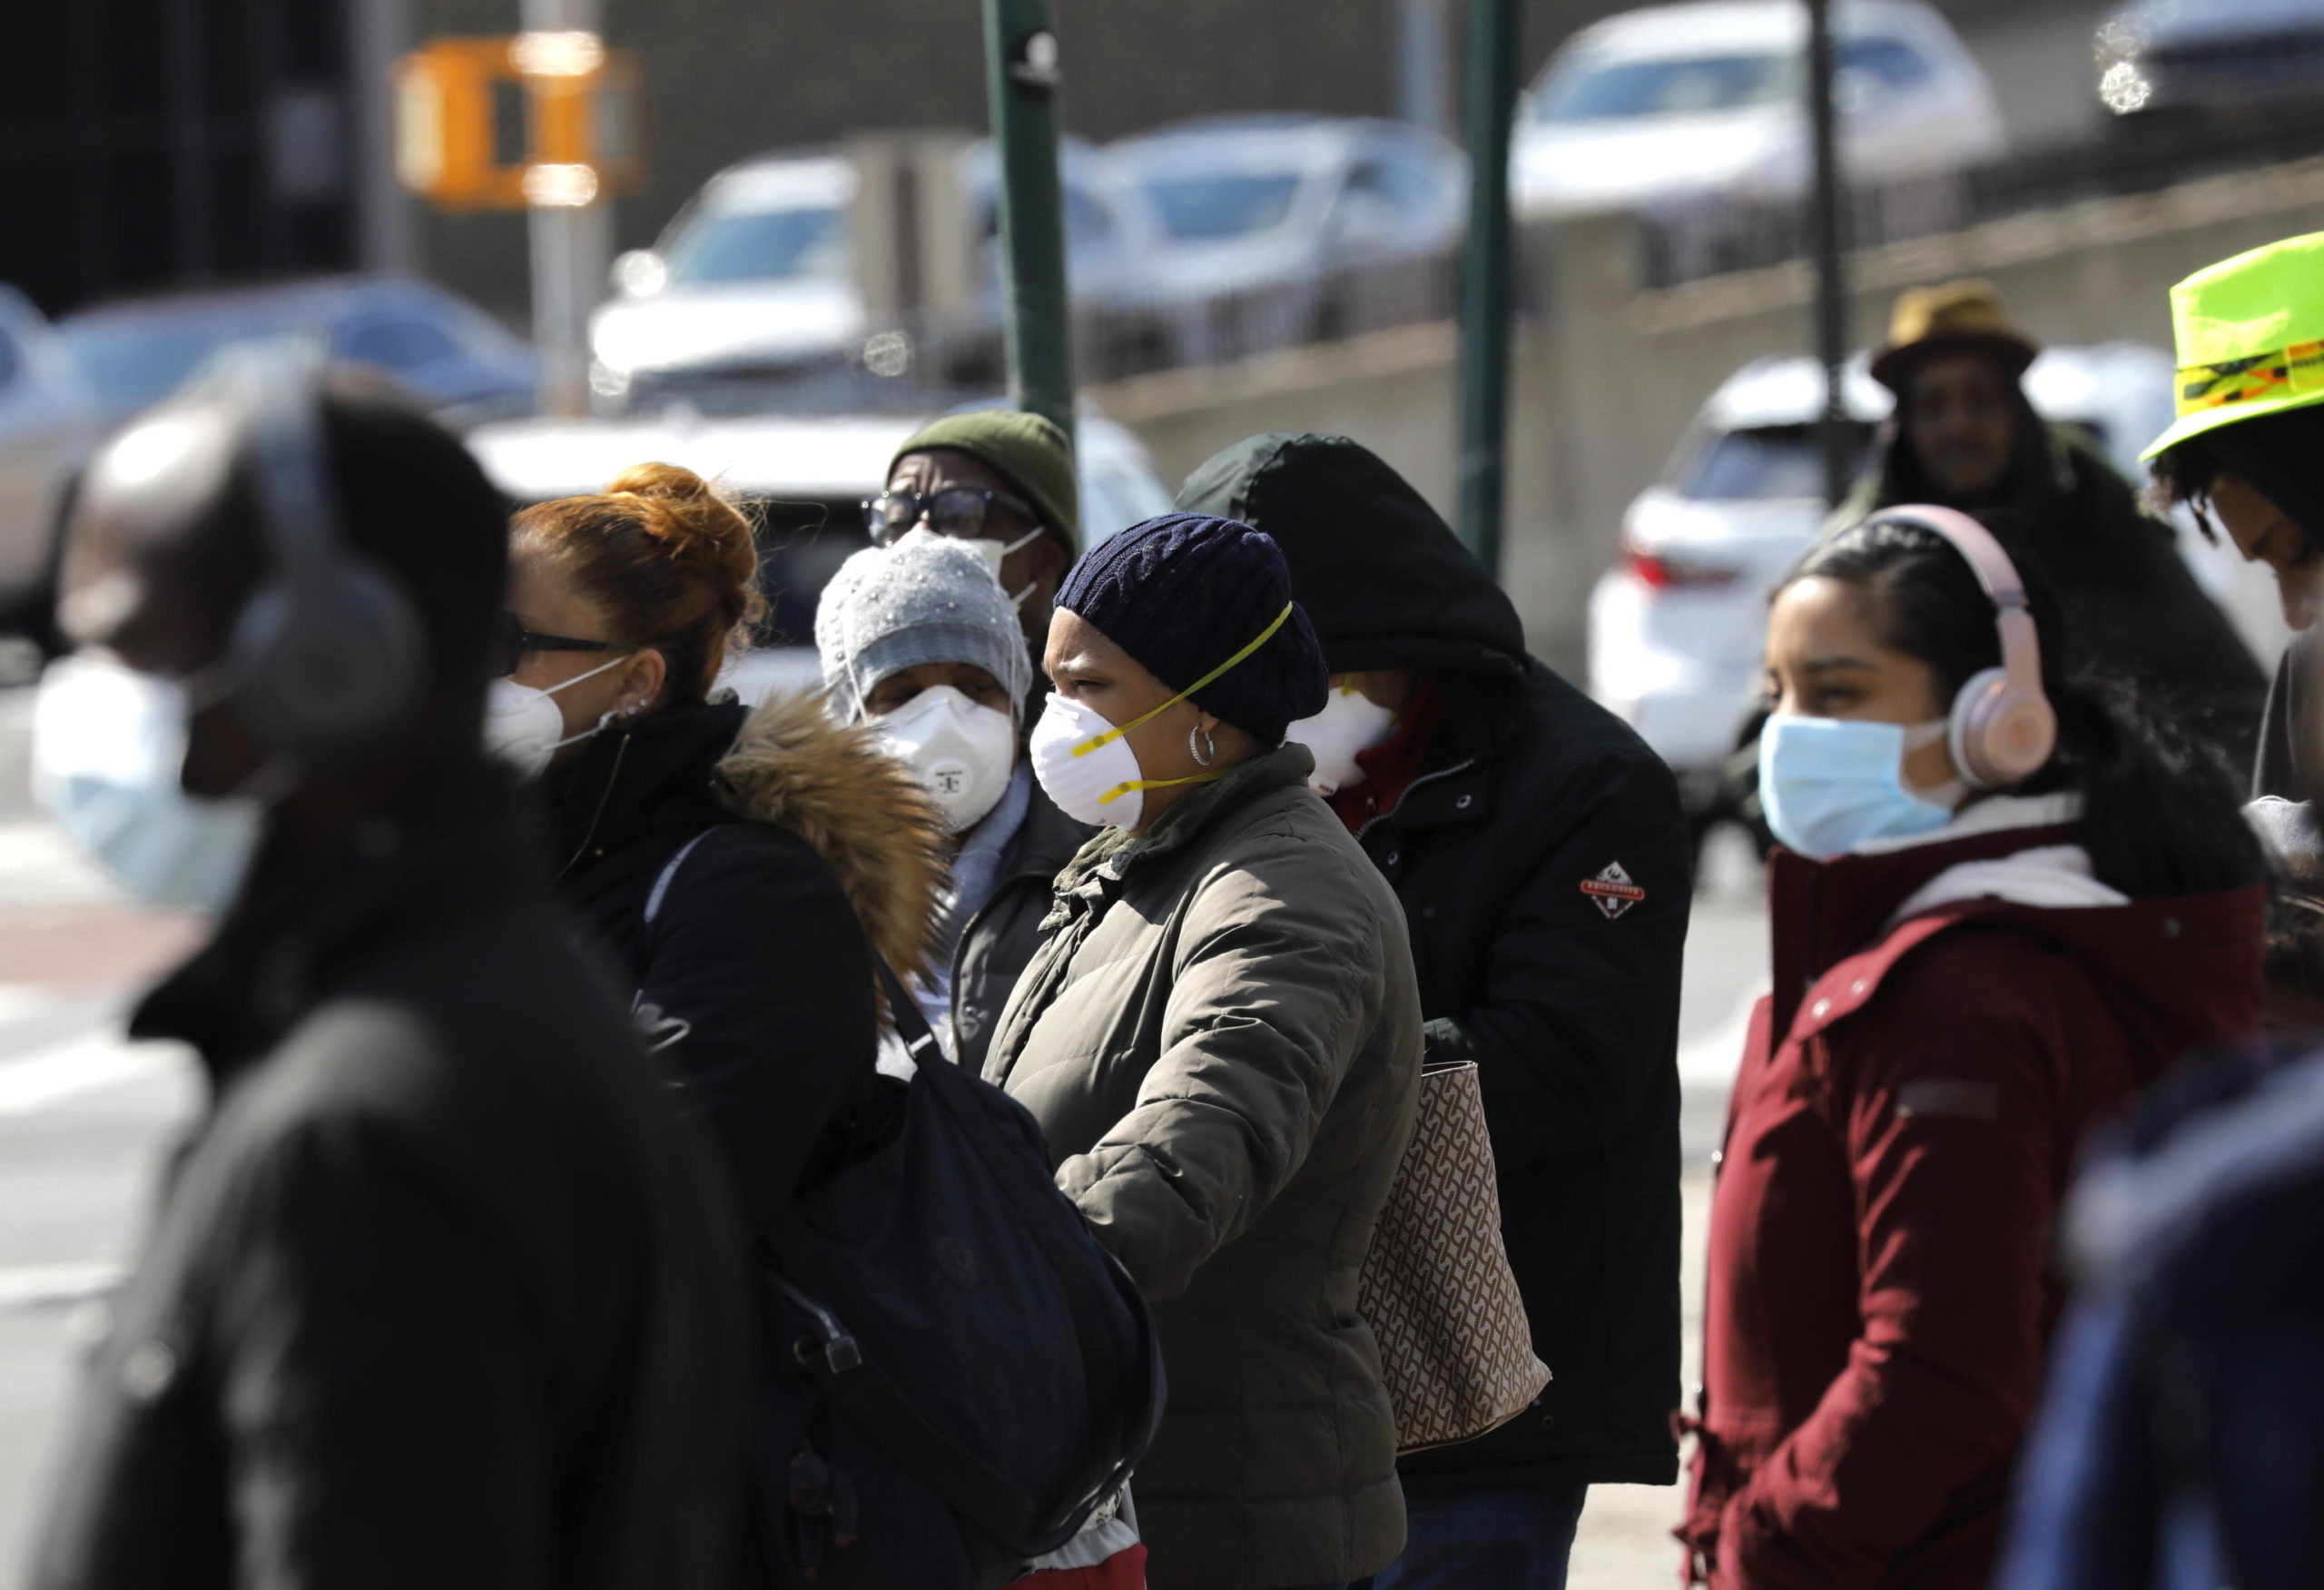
1607, 377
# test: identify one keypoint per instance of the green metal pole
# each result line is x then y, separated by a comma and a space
1021, 81
1492, 100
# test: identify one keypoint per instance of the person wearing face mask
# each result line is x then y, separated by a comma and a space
439, 1291
1001, 480
1544, 865
1220, 1036
918, 641
739, 868
2005, 901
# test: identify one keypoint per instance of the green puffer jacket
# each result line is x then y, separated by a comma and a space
1221, 1035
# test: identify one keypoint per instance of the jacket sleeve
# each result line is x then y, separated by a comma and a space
378, 1375
1274, 987
1949, 1111
1580, 1009
756, 1003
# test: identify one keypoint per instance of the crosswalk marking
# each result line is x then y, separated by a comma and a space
81, 1065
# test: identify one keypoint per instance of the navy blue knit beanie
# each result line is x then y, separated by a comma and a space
1184, 592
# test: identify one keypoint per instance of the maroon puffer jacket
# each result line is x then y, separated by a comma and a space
1879, 1294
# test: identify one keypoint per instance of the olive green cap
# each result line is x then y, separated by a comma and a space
1028, 450
2250, 338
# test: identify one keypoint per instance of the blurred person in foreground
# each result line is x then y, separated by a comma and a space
1964, 436
2247, 450
1003, 481
919, 643
1221, 1037
1543, 863
739, 868
2005, 903
439, 1291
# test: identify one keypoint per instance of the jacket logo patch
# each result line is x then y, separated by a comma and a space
1612, 891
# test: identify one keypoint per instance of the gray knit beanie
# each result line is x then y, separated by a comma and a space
926, 599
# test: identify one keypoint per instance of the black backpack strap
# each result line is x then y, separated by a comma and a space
866, 1393
903, 1011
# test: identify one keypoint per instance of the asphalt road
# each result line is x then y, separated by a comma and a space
85, 1119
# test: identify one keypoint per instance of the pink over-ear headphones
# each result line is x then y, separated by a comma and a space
2003, 727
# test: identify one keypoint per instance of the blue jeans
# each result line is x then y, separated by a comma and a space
1513, 1539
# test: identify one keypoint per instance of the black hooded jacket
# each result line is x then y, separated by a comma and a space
437, 1292
1546, 874
752, 986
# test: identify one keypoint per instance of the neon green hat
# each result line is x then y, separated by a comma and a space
2250, 335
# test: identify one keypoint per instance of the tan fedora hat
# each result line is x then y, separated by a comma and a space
1962, 316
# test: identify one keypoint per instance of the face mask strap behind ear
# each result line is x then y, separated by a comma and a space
1118, 730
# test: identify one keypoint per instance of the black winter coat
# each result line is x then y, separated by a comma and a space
752, 986
439, 1293
998, 941
1546, 874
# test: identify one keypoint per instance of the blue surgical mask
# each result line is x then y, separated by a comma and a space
108, 751
1829, 784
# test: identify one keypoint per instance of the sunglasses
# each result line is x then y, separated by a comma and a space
514, 640
956, 511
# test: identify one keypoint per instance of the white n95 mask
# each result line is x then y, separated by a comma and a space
960, 752
1086, 763
524, 727
108, 757
1350, 722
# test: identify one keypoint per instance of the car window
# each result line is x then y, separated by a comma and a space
1588, 89
11, 358
1895, 62
1400, 183
135, 361
1762, 464
1087, 218
399, 343
1210, 206
760, 245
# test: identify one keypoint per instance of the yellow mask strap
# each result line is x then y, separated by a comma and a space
1122, 789
1117, 732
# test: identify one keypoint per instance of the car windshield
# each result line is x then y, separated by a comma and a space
136, 360
1766, 463
760, 245
1589, 90
1207, 206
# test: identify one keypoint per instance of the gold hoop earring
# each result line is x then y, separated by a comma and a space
1206, 751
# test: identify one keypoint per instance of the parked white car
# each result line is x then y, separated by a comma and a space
805, 479
1673, 103
757, 273
1677, 627
1252, 200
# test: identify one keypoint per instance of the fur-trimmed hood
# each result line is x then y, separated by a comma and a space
860, 809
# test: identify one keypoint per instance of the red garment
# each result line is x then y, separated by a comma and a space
1880, 1294
1390, 767
1125, 1570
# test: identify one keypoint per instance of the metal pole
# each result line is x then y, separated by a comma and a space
387, 222
572, 247
1492, 95
1021, 82
1831, 262
1423, 72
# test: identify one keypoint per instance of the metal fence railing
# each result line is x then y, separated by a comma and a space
916, 366
2136, 154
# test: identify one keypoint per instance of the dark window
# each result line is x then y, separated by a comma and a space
1895, 62
399, 343
1766, 463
